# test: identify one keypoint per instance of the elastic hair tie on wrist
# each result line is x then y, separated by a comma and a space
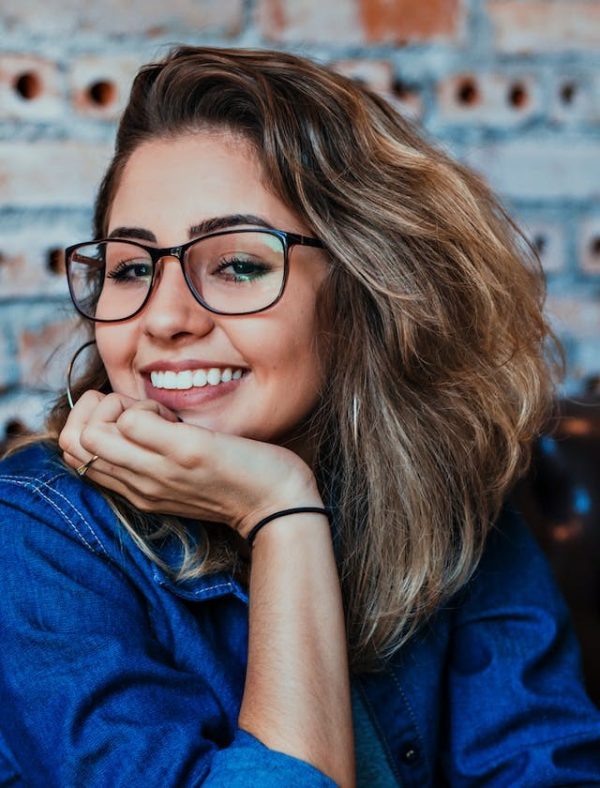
299, 510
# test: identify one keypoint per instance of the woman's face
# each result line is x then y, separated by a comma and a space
166, 188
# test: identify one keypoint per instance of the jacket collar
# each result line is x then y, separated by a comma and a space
198, 589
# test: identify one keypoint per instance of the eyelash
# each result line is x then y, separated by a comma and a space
260, 269
120, 268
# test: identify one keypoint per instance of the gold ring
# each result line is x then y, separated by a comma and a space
83, 469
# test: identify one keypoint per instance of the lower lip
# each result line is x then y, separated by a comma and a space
180, 399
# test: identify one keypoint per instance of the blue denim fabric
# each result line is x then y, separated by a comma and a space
114, 675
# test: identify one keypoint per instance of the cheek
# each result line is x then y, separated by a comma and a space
286, 345
116, 348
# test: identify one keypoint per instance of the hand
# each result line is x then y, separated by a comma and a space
161, 464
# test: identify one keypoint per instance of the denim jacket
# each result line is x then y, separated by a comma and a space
112, 674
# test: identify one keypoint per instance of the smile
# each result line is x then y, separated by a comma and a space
196, 378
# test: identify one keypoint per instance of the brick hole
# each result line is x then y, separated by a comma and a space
400, 89
540, 243
102, 93
592, 384
467, 92
55, 261
518, 96
14, 427
28, 85
595, 246
568, 91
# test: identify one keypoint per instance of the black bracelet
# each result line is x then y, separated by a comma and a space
300, 510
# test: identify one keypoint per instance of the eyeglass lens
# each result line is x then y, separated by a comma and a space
233, 273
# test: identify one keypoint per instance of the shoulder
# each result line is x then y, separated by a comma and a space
37, 487
513, 571
513, 665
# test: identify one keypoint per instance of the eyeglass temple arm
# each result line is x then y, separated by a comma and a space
304, 240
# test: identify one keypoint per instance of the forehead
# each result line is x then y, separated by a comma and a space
168, 185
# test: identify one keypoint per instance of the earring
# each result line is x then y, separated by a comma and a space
355, 410
70, 370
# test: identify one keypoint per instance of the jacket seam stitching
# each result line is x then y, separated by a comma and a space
411, 714
36, 484
54, 505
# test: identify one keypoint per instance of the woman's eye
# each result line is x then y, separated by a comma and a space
130, 271
242, 270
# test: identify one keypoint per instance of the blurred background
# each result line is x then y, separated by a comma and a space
511, 87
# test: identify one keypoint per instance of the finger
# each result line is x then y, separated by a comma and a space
126, 486
153, 406
117, 428
68, 440
149, 430
110, 408
91, 409
117, 452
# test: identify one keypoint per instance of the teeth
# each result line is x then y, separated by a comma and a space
187, 379
213, 376
199, 378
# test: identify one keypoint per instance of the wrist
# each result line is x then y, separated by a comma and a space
305, 494
286, 513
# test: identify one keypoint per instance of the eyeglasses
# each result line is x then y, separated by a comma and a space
232, 272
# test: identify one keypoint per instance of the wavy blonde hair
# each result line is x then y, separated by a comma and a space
439, 362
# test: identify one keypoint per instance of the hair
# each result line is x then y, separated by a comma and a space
439, 364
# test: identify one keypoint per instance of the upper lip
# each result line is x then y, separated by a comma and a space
185, 364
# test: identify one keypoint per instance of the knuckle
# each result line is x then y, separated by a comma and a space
64, 441
187, 458
88, 437
88, 397
144, 505
127, 420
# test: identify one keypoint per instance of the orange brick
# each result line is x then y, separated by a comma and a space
359, 21
523, 26
401, 21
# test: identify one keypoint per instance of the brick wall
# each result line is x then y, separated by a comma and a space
510, 86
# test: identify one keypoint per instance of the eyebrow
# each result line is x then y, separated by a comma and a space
202, 228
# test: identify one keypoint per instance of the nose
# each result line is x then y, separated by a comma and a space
172, 311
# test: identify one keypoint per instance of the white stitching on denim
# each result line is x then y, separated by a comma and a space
46, 484
75, 509
212, 588
409, 708
33, 488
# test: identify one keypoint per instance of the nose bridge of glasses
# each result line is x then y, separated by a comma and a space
176, 252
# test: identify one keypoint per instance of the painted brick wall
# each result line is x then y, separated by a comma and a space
510, 86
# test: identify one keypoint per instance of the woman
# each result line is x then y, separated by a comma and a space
297, 304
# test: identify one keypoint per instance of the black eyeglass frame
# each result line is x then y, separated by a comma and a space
156, 254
